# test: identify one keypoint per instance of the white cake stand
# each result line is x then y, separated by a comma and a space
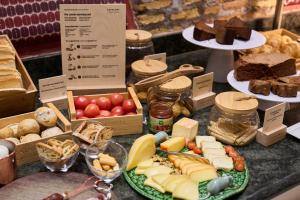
221, 58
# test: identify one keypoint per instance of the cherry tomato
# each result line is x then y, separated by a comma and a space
196, 150
91, 111
104, 113
116, 99
238, 158
239, 166
93, 101
79, 113
191, 145
104, 103
228, 148
233, 154
81, 102
128, 106
117, 111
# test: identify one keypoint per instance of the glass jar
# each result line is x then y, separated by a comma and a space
232, 125
138, 45
160, 117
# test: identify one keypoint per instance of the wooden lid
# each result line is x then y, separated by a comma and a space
133, 35
148, 67
236, 102
178, 84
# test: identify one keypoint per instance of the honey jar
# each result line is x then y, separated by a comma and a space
160, 117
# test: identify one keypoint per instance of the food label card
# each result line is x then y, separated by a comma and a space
93, 45
274, 117
203, 84
159, 56
53, 87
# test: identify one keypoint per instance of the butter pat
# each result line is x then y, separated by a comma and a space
186, 127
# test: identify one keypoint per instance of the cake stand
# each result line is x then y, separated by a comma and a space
221, 58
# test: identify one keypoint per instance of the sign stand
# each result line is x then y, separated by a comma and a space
202, 95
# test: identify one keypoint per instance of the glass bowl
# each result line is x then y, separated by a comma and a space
111, 148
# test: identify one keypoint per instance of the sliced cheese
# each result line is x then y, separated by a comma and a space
142, 149
145, 164
187, 189
219, 152
198, 168
185, 127
211, 157
139, 171
151, 183
211, 145
225, 163
158, 170
191, 152
186, 162
160, 178
204, 175
200, 139
172, 181
173, 144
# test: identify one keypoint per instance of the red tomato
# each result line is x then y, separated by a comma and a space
191, 145
117, 111
239, 165
81, 102
104, 113
196, 150
233, 154
238, 158
116, 99
131, 113
104, 103
228, 148
91, 111
79, 113
93, 101
128, 106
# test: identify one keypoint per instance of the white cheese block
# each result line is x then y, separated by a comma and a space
212, 145
219, 152
211, 157
225, 163
200, 139
185, 127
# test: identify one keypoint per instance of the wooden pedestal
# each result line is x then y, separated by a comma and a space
271, 137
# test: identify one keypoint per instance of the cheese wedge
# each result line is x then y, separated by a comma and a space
186, 162
145, 164
204, 175
171, 182
139, 171
158, 170
160, 178
173, 144
185, 168
198, 168
211, 145
142, 149
200, 139
185, 127
172, 158
151, 183
219, 152
187, 189
225, 163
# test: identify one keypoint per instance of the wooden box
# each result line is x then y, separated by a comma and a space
26, 152
122, 125
15, 101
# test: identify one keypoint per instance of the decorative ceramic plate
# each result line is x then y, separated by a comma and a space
240, 181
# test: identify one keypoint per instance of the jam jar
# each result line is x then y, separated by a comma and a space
138, 45
160, 117
234, 119
176, 93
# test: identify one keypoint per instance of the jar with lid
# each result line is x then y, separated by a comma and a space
160, 117
138, 45
146, 68
234, 119
176, 93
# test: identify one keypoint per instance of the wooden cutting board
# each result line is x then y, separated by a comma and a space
41, 185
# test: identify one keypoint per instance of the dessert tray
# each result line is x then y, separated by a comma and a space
240, 181
257, 39
242, 86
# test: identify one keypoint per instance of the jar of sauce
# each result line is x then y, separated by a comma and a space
160, 117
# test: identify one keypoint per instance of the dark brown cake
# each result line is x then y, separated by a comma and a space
293, 80
260, 66
203, 32
223, 35
284, 89
260, 87
241, 28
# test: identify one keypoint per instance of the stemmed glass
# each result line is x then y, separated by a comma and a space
106, 177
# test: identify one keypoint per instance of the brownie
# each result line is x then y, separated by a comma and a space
223, 35
284, 89
260, 87
242, 29
203, 32
262, 65
293, 80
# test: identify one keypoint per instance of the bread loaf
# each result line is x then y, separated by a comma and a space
28, 126
45, 116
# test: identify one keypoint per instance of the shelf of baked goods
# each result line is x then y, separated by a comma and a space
15, 82
122, 111
25, 130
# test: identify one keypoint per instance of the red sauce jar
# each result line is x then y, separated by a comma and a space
160, 117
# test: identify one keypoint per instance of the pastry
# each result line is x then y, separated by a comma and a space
223, 35
14, 127
51, 132
185, 14
30, 137
284, 89
11, 81
203, 32
45, 116
48, 152
14, 140
154, 5
260, 87
259, 66
292, 80
27, 126
6, 132
150, 19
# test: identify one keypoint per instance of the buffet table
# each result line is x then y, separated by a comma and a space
273, 169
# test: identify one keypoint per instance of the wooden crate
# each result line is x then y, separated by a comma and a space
122, 125
13, 101
26, 152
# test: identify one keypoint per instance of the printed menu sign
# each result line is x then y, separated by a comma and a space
273, 117
93, 45
203, 84
53, 87
159, 56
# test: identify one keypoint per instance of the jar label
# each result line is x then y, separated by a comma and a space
156, 124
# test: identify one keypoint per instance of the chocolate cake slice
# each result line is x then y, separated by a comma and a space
203, 32
241, 28
262, 65
223, 35
292, 80
284, 89
260, 87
